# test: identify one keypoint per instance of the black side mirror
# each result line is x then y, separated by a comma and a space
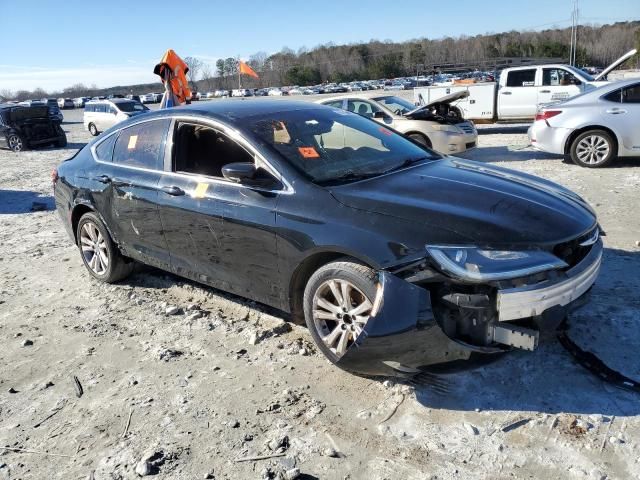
379, 114
239, 172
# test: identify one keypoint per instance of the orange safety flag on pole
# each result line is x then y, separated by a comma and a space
247, 70
172, 70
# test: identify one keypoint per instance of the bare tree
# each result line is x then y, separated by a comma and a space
195, 67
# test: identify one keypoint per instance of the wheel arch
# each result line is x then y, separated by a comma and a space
422, 134
578, 131
76, 214
303, 272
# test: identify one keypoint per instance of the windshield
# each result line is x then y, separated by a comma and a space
397, 105
131, 107
331, 145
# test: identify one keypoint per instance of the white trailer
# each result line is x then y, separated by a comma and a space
519, 91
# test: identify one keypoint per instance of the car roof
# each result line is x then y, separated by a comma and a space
233, 112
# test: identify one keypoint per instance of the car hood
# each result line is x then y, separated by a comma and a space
447, 99
477, 204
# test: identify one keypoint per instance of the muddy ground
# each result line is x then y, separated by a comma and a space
188, 395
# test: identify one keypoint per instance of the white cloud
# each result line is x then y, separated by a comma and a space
55, 79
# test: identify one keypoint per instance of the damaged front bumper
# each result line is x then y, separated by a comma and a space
404, 334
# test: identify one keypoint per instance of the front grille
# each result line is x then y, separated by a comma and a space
470, 145
572, 252
466, 127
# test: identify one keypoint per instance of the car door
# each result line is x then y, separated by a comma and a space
518, 97
218, 232
557, 84
131, 179
621, 112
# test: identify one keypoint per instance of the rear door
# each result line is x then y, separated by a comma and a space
621, 113
132, 177
518, 96
557, 84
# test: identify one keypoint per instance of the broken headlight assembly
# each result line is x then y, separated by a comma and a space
474, 264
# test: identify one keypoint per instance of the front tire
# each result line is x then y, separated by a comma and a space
421, 139
15, 143
93, 130
593, 149
338, 301
99, 254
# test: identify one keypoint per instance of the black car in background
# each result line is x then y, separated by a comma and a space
395, 256
23, 127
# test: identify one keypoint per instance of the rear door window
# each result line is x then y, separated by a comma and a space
631, 94
142, 145
521, 78
615, 96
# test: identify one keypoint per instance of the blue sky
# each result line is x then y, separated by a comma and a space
56, 44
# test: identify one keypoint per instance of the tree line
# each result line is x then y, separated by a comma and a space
597, 46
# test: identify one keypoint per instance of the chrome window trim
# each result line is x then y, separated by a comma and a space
167, 169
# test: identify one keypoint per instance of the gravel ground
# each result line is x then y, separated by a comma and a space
186, 392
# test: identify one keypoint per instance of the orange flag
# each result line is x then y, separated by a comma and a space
247, 70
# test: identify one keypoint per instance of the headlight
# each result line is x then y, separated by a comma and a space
446, 128
478, 265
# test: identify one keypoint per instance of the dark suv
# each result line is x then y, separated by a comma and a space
24, 127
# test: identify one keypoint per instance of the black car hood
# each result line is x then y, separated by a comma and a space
478, 204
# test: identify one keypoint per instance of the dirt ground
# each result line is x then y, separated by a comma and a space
189, 394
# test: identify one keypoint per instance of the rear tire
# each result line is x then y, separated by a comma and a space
334, 323
93, 130
99, 254
593, 149
15, 143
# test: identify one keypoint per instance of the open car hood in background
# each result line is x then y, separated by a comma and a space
615, 64
452, 97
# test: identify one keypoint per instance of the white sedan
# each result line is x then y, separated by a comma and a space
593, 128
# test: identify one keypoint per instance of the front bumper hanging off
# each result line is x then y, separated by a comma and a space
404, 335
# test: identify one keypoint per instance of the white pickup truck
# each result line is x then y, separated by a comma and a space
518, 93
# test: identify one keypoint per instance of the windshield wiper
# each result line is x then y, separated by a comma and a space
405, 163
348, 176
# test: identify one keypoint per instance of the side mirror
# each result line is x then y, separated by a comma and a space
380, 115
239, 172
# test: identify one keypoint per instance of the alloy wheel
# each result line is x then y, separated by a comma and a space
94, 248
15, 143
593, 149
340, 312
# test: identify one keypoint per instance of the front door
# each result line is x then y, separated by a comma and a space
218, 232
557, 84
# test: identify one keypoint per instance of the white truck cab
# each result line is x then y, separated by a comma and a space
520, 91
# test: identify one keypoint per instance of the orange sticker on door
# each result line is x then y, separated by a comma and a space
308, 152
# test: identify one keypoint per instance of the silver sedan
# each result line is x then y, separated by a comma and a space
593, 128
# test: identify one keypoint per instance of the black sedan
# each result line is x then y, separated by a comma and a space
395, 256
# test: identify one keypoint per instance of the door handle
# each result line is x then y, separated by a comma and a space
172, 190
506, 93
615, 111
103, 179
545, 91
